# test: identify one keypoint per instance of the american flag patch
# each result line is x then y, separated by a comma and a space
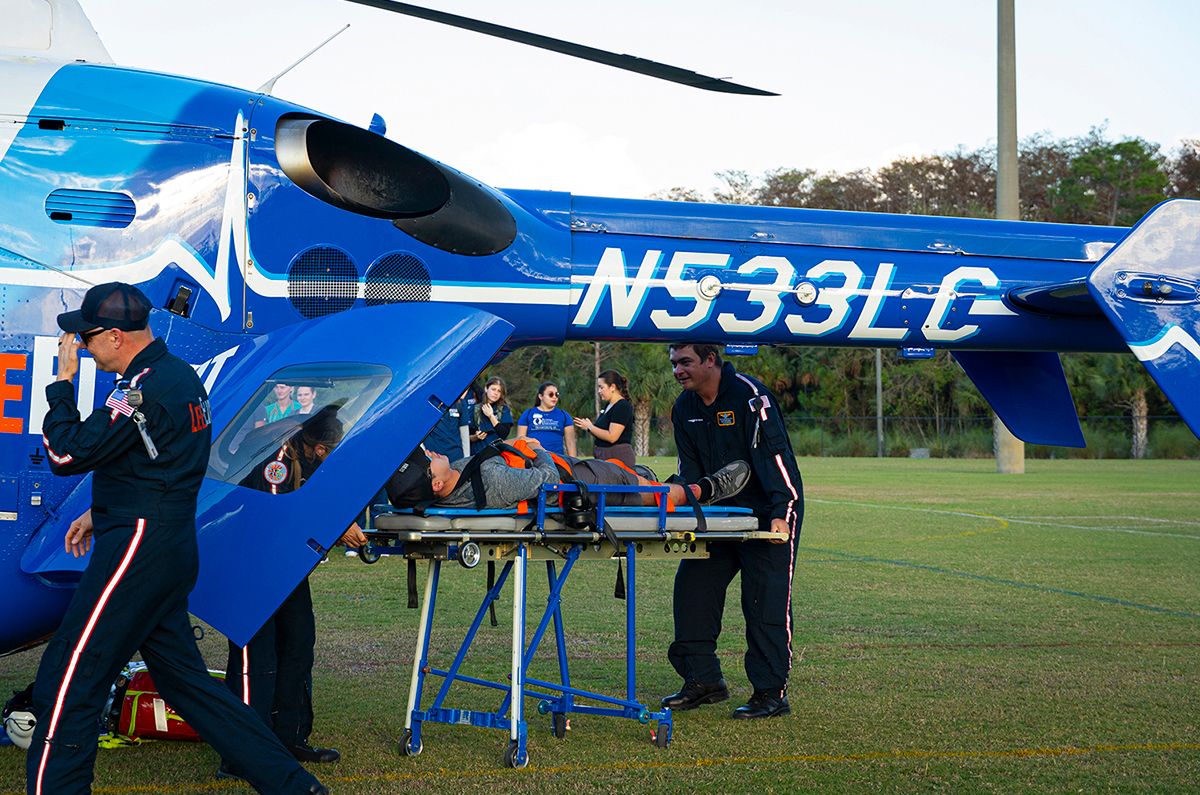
118, 401
766, 402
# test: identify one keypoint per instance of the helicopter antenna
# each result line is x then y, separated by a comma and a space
269, 86
8, 254
629, 63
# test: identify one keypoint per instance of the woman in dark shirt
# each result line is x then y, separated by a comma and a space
493, 418
613, 429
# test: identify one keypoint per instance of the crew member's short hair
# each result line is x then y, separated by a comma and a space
702, 349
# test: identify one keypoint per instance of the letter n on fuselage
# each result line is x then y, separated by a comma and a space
612, 277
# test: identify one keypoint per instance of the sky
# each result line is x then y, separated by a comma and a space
861, 81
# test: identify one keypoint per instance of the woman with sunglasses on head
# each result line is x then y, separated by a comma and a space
547, 423
613, 428
493, 418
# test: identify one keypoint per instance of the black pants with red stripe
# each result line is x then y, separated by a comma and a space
133, 597
273, 673
700, 586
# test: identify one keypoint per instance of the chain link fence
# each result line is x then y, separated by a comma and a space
940, 437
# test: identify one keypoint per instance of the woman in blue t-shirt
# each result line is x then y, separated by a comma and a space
547, 423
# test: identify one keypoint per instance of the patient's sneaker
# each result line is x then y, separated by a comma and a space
727, 481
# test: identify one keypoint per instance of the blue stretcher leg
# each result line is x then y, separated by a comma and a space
630, 623
663, 736
517, 756
411, 744
560, 638
553, 610
492, 595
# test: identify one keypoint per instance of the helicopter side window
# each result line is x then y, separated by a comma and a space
294, 420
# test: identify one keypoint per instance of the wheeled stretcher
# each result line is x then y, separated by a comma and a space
513, 539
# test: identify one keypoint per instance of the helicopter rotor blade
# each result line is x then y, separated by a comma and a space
627, 62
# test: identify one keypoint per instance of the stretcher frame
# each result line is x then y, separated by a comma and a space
470, 536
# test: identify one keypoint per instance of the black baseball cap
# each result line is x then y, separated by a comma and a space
113, 305
412, 483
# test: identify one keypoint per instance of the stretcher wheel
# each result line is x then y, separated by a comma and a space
407, 746
469, 555
514, 757
663, 737
367, 555
560, 725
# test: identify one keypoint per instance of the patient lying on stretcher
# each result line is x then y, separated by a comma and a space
506, 480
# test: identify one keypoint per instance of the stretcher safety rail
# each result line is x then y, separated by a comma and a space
511, 538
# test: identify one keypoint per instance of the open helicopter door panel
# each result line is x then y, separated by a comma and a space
378, 377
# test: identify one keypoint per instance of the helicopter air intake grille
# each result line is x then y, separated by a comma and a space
321, 281
398, 277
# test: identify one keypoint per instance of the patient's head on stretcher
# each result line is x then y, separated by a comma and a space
412, 483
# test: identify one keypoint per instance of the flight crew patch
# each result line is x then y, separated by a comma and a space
275, 472
724, 418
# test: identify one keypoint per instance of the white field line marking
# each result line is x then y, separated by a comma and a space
1007, 519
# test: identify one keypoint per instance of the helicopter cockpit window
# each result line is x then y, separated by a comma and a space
293, 422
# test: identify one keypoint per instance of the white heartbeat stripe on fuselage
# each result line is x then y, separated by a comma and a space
491, 293
1151, 349
551, 295
24, 83
171, 250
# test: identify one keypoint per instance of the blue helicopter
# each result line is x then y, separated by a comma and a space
282, 246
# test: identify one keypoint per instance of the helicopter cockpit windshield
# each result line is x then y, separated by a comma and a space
282, 405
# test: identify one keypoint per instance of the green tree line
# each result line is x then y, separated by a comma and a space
1086, 180
1090, 179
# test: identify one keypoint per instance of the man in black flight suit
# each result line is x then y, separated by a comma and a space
725, 416
147, 448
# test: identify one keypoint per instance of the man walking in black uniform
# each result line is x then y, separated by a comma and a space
147, 448
725, 416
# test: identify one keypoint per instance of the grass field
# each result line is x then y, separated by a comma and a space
956, 631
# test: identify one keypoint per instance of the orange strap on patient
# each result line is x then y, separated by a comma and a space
522, 459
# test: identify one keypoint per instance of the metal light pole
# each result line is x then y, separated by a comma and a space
879, 401
1010, 451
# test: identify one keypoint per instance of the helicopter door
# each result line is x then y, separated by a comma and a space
382, 375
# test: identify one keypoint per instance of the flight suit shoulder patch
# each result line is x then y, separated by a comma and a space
275, 472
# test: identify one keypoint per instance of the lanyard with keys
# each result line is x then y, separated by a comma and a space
134, 396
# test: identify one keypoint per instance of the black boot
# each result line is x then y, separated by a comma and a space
306, 753
764, 704
696, 693
227, 770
